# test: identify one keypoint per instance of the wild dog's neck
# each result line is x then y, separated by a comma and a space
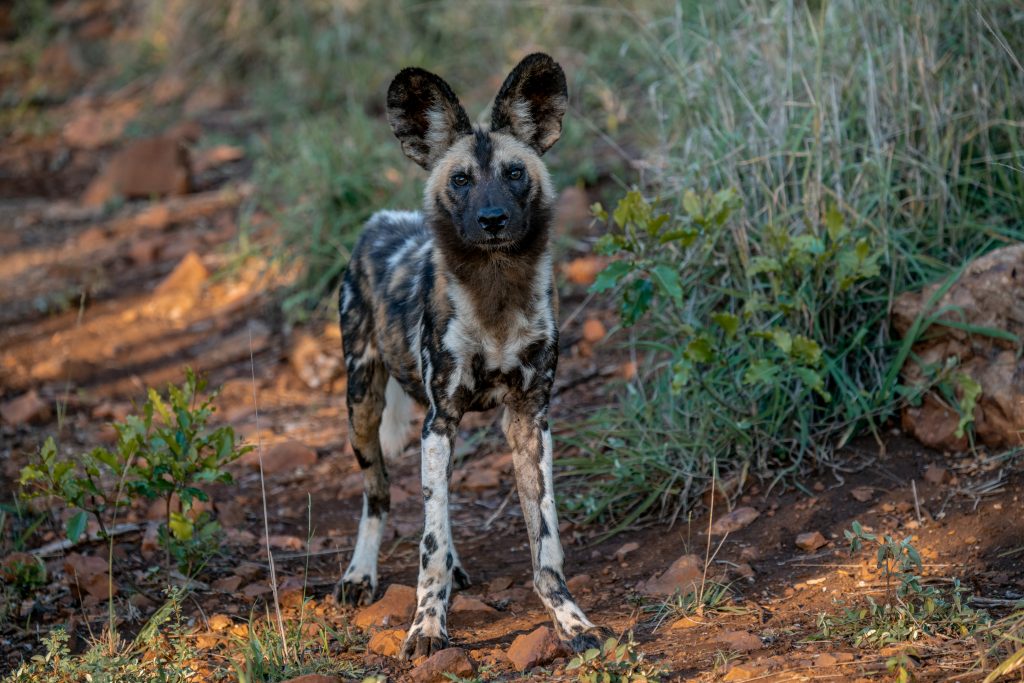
500, 286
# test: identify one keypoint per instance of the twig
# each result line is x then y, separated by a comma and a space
263, 495
58, 547
917, 503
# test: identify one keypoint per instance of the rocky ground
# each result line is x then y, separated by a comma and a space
99, 301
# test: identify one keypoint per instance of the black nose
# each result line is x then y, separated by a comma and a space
492, 218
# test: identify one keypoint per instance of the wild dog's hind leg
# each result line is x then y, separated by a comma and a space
530, 438
367, 379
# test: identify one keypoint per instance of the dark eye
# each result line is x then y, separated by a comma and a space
460, 179
515, 174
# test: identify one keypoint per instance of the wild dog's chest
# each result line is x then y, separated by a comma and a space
484, 363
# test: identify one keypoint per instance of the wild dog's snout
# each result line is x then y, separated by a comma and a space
492, 219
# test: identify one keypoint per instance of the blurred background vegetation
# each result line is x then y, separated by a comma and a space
810, 159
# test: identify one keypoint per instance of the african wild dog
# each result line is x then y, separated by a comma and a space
454, 307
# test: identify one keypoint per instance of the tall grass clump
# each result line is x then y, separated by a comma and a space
806, 163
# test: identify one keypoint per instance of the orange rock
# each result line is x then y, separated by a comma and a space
387, 643
593, 330
454, 660
734, 521
144, 168
684, 575
810, 541
25, 409
395, 608
538, 647
584, 270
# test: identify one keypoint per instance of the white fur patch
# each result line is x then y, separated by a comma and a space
394, 424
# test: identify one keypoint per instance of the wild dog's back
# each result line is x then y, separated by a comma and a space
382, 294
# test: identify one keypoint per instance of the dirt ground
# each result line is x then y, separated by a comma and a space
98, 303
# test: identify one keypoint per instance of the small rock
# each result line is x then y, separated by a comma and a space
584, 270
282, 542
579, 583
593, 330
744, 570
685, 623
144, 168
228, 584
470, 611
734, 521
740, 641
684, 575
387, 643
313, 362
742, 672
825, 659
217, 155
936, 474
535, 648
88, 575
396, 607
810, 541
863, 494
499, 583
150, 540
219, 622
280, 457
25, 409
314, 678
453, 660
626, 549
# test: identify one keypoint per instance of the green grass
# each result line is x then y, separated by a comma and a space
897, 124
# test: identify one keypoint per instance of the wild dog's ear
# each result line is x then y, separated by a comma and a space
531, 102
425, 115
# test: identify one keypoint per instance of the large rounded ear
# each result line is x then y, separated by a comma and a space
425, 115
531, 102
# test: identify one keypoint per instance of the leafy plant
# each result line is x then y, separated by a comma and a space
910, 609
89, 483
159, 653
753, 356
178, 453
166, 453
713, 597
614, 662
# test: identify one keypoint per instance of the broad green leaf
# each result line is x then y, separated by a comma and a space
805, 350
181, 526
667, 279
970, 391
761, 371
807, 244
685, 236
763, 264
728, 322
75, 526
610, 276
834, 224
597, 211
699, 350
636, 300
692, 205
782, 339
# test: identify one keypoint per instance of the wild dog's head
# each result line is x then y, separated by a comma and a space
488, 189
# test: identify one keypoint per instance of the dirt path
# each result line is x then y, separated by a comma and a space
97, 304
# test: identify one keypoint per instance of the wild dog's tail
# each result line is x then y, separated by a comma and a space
394, 423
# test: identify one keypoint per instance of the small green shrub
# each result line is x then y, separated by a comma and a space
614, 662
712, 597
910, 609
168, 452
160, 653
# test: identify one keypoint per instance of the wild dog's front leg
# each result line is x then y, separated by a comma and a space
429, 632
530, 438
